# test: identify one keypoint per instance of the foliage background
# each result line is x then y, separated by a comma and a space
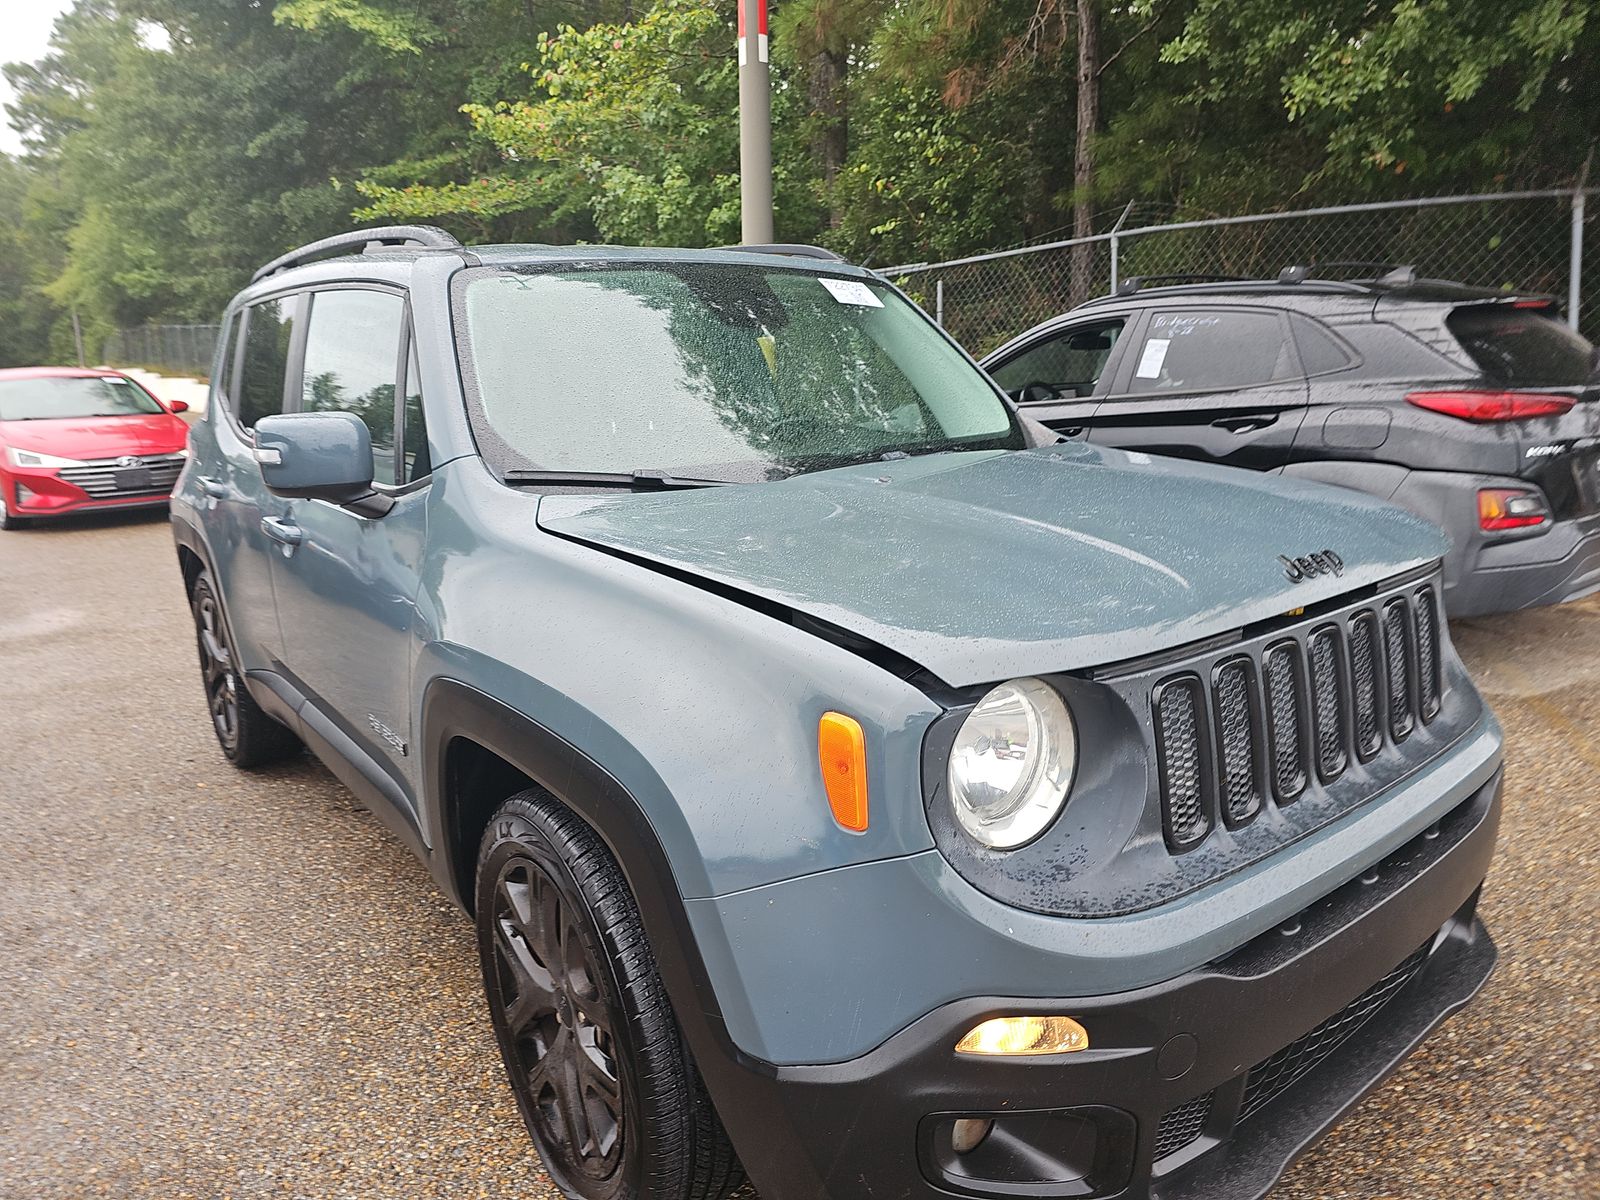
173, 145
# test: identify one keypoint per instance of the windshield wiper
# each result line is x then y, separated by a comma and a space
639, 481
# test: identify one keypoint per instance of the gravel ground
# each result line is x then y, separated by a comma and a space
215, 984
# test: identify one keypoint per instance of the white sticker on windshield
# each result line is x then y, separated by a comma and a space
851, 291
117, 379
1155, 353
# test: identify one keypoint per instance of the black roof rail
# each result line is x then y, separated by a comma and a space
1137, 283
430, 237
793, 249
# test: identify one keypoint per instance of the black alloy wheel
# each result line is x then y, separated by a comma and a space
561, 1028
593, 1052
247, 735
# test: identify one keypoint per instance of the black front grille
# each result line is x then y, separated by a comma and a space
1283, 720
1237, 741
1182, 1125
1326, 708
1270, 1078
1428, 682
1183, 774
1396, 641
1364, 684
1312, 702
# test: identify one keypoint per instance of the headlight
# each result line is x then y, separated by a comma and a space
1011, 764
32, 458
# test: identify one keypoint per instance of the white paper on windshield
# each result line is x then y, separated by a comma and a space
116, 379
851, 291
1155, 353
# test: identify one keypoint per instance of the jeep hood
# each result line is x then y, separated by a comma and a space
987, 565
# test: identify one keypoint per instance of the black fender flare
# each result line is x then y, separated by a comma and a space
741, 1085
187, 536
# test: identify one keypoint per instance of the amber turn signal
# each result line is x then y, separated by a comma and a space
1025, 1035
842, 752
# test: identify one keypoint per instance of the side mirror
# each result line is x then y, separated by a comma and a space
176, 406
319, 456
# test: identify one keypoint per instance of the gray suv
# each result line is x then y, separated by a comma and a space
844, 778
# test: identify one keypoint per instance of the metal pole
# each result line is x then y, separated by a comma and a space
938, 302
1116, 244
77, 338
755, 125
1575, 259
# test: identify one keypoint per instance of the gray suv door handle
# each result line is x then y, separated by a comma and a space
286, 532
214, 488
1245, 424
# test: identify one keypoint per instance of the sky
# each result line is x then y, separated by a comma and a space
24, 37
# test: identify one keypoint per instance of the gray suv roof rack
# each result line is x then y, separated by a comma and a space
427, 236
1137, 283
793, 249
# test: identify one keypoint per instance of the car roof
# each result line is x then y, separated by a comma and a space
56, 372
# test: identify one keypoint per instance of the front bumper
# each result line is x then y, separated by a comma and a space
1206, 1086
96, 487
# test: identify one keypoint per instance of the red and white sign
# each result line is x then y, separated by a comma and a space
752, 23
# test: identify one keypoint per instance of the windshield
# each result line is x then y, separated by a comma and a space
1523, 347
50, 398
716, 370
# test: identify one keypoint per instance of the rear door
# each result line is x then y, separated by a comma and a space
347, 583
1058, 376
1218, 384
253, 386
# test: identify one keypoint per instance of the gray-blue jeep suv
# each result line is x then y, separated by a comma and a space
845, 781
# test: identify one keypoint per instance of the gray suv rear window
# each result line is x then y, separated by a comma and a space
1523, 347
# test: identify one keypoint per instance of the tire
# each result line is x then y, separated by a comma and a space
248, 737
601, 1074
9, 520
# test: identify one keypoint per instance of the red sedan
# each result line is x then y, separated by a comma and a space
74, 440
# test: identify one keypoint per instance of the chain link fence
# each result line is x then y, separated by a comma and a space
1529, 241
167, 349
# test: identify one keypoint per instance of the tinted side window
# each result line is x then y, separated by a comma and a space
1320, 351
1068, 363
230, 343
1200, 351
352, 353
1523, 347
268, 328
416, 464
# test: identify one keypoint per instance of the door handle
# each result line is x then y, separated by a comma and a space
1246, 424
214, 488
286, 532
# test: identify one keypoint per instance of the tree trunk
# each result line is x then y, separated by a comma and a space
1083, 276
830, 139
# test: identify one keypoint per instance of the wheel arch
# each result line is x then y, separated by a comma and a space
193, 557
480, 751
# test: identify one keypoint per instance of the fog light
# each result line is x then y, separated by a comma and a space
23, 495
968, 1134
1025, 1035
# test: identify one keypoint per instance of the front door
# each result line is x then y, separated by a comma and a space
1058, 376
251, 386
1221, 385
346, 583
